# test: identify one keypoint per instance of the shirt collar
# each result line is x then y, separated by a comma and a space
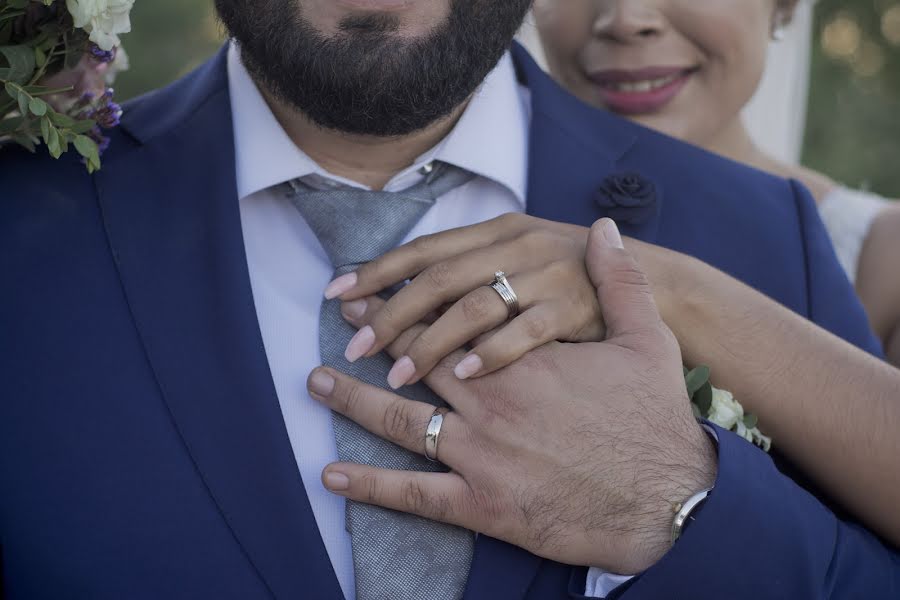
490, 139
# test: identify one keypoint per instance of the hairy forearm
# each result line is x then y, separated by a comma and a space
830, 407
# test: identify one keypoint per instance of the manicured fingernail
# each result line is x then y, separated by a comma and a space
402, 371
336, 481
340, 286
321, 383
468, 366
611, 233
360, 345
355, 309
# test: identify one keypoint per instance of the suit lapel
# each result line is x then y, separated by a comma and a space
171, 212
573, 148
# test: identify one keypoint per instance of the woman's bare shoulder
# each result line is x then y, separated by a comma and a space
818, 184
879, 278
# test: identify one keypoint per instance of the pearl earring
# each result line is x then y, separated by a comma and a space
779, 26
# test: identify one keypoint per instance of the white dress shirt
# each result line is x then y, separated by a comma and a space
289, 269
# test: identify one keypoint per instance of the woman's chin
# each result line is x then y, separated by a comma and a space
667, 124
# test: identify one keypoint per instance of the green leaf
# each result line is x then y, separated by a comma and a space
703, 399
88, 149
46, 126
37, 107
42, 90
750, 421
61, 120
82, 126
53, 144
11, 90
696, 379
23, 99
20, 63
18, 3
40, 58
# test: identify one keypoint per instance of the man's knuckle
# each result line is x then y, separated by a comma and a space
413, 496
627, 273
489, 504
370, 487
398, 421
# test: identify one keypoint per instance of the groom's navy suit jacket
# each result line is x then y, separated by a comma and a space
143, 453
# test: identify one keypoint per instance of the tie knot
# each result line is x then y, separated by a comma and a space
355, 226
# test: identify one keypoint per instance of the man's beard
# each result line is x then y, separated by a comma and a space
367, 79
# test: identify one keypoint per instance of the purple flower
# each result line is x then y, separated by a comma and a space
106, 112
100, 55
627, 198
96, 134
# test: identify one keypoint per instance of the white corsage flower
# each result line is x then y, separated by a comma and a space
725, 411
720, 408
104, 20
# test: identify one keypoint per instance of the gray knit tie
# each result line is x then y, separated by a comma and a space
396, 556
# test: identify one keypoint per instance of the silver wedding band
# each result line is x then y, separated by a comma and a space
433, 433
509, 297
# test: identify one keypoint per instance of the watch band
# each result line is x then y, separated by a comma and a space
684, 510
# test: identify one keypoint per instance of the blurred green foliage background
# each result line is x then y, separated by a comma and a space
853, 126
853, 130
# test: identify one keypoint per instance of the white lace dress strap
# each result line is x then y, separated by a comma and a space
848, 216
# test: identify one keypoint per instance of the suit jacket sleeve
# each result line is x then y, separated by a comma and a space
760, 535
832, 301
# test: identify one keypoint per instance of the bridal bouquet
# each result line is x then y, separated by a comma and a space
57, 59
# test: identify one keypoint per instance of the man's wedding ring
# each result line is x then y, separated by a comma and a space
509, 297
433, 433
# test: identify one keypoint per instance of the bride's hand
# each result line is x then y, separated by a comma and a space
543, 261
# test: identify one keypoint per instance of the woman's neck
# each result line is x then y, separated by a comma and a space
734, 142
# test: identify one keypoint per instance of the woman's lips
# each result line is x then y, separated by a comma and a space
640, 91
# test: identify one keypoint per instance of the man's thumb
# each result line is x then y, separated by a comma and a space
623, 289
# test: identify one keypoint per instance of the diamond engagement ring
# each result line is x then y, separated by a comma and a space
502, 287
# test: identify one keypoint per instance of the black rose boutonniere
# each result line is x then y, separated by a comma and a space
627, 198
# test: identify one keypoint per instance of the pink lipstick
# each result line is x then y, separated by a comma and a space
640, 91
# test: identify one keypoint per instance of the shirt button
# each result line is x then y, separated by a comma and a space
427, 169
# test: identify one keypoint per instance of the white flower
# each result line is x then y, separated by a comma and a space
119, 64
104, 20
725, 411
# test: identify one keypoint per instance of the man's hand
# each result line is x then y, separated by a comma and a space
576, 452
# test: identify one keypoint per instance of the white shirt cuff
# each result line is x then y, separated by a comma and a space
601, 584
